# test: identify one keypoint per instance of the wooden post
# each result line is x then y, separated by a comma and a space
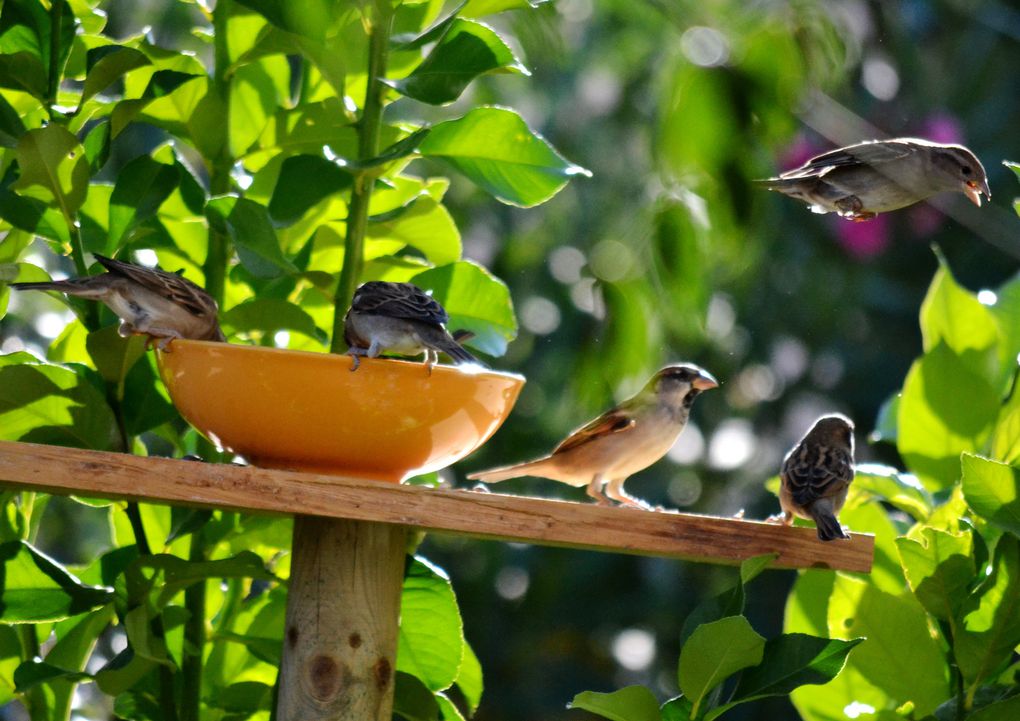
343, 609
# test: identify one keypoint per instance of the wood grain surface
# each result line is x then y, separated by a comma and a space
478, 515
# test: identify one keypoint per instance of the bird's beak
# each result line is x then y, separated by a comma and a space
973, 190
704, 381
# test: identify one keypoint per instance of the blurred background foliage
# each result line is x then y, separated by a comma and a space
667, 253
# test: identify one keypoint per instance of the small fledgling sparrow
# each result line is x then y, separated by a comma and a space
816, 475
620, 442
860, 181
400, 318
151, 302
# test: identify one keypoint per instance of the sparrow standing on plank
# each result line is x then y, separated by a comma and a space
149, 301
860, 181
399, 318
816, 475
622, 441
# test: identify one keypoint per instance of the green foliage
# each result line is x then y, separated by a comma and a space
947, 590
267, 167
722, 646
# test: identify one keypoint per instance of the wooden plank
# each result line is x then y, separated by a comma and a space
478, 515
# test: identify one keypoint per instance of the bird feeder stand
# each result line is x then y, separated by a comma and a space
339, 649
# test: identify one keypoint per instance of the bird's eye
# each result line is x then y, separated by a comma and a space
965, 170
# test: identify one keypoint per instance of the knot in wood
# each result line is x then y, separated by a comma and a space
382, 670
327, 677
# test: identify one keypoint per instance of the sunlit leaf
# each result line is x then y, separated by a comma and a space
142, 186
431, 642
35, 588
424, 225
106, 64
713, 653
43, 403
631, 703
269, 315
890, 623
252, 233
939, 567
476, 301
992, 490
946, 409
467, 49
54, 168
496, 149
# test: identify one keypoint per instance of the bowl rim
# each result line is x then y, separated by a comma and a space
467, 370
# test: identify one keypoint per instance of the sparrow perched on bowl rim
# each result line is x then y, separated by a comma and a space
400, 318
860, 181
816, 475
151, 302
602, 454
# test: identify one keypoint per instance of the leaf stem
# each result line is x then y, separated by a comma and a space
369, 127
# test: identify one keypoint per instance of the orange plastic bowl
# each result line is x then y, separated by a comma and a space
388, 420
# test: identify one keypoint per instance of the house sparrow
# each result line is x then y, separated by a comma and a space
860, 181
150, 302
620, 442
400, 318
816, 475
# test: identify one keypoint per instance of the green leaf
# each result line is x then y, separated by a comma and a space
790, 661
1007, 710
142, 186
412, 700
952, 315
54, 168
36, 589
467, 49
476, 301
23, 71
310, 18
939, 568
76, 638
113, 355
244, 697
478, 8
123, 671
946, 409
26, 31
257, 89
431, 642
97, 146
894, 487
269, 315
34, 672
252, 233
11, 125
293, 195
713, 653
1005, 442
991, 630
425, 225
469, 679
177, 574
496, 149
145, 402
106, 64
42, 403
677, 709
992, 490
631, 703
890, 624
34, 216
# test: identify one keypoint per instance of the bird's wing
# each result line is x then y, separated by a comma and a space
614, 421
399, 300
861, 154
173, 287
816, 472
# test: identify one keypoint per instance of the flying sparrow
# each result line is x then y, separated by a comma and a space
816, 475
149, 301
400, 318
620, 442
860, 181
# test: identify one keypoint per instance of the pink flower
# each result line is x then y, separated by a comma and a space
863, 240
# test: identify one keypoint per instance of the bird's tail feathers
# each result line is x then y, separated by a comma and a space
72, 286
460, 354
828, 526
505, 473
